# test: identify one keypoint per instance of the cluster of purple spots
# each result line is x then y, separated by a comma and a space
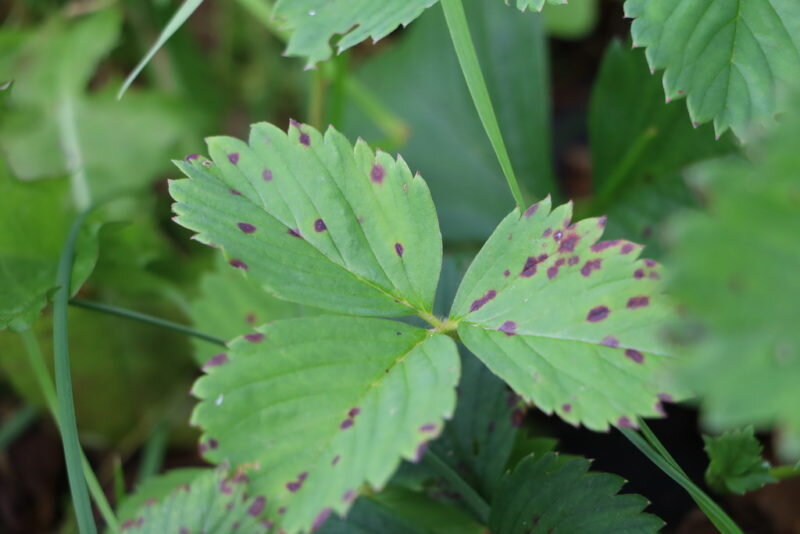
530, 211
239, 264
377, 173
509, 328
652, 275
319, 225
351, 418
428, 427
320, 520
634, 355
597, 314
591, 265
267, 175
569, 242
233, 157
215, 361
349, 495
399, 249
624, 422
477, 304
529, 269
133, 523
638, 302
257, 506
552, 271
295, 485
518, 417
294, 232
211, 445
256, 337
246, 227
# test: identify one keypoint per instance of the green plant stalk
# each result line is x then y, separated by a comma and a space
153, 455
476, 504
715, 514
45, 383
119, 480
70, 147
66, 408
144, 318
782, 472
316, 100
470, 67
16, 424
617, 177
392, 126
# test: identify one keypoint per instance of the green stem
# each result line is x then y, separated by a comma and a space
470, 67
392, 126
782, 472
476, 504
316, 100
16, 424
144, 318
617, 177
667, 464
153, 454
70, 148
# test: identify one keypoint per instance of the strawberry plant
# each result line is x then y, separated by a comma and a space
381, 344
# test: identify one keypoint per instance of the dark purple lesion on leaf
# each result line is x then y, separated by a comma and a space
377, 173
638, 302
319, 225
428, 427
225, 487
569, 243
257, 506
597, 314
295, 485
477, 304
634, 355
558, 235
235, 192
547, 232
247, 228
625, 422
567, 408
320, 519
601, 222
399, 249
591, 265
603, 245
349, 495
627, 248
239, 264
422, 448
506, 273
216, 361
255, 337
305, 139
347, 423
267, 175
294, 232
531, 210
530, 267
509, 328
192, 157
638, 274
610, 341
233, 157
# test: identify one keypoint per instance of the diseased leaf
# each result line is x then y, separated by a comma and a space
313, 23
550, 495
315, 222
212, 503
156, 488
323, 405
736, 465
569, 322
732, 59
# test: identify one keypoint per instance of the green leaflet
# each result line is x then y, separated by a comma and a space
732, 59
316, 222
737, 464
212, 503
157, 487
536, 5
320, 406
568, 322
314, 22
556, 495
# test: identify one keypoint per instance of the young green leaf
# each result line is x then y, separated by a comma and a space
569, 322
536, 5
550, 494
323, 405
737, 464
731, 59
313, 23
316, 222
212, 502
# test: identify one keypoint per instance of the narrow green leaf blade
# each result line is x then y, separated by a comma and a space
737, 464
323, 405
553, 494
569, 322
316, 222
732, 59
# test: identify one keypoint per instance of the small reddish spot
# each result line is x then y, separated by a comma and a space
552, 272
547, 232
627, 248
239, 264
305, 139
479, 303
398, 249
254, 338
267, 175
319, 225
233, 158
294, 232
568, 245
246, 227
257, 507
530, 211
567, 408
506, 272
321, 518
610, 341
509, 328
239, 478
216, 360
282, 510
638, 274
250, 318
634, 355
354, 412
336, 459
347, 423
650, 263
192, 157
235, 192
591, 265
638, 302
377, 173
428, 427
213, 444
598, 314
624, 422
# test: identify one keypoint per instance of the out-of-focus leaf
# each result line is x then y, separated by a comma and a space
573, 20
732, 60
735, 273
323, 405
544, 494
156, 488
736, 465
536, 5
569, 322
431, 96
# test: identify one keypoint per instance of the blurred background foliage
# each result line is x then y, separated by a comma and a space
583, 119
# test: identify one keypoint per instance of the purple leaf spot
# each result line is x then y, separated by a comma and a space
294, 123
666, 397
428, 427
305, 139
598, 314
479, 303
573, 260
601, 222
267, 175
624, 422
638, 302
216, 360
354, 412
192, 157
568, 245
638, 274
654, 276
225, 488
591, 265
335, 460
377, 173
627, 248
398, 249
530, 211
567, 408
506, 272
509, 328
319, 225
529, 269
547, 232
552, 272
233, 158
257, 508
281, 510
602, 245
294, 232
235, 192
634, 355
254, 338
321, 518
650, 263
558, 235
610, 341
246, 227
347, 423
422, 448
239, 264
348, 496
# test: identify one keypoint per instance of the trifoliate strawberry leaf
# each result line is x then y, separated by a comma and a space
737, 464
312, 23
548, 494
569, 322
316, 222
319, 406
535, 5
231, 305
212, 503
731, 59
